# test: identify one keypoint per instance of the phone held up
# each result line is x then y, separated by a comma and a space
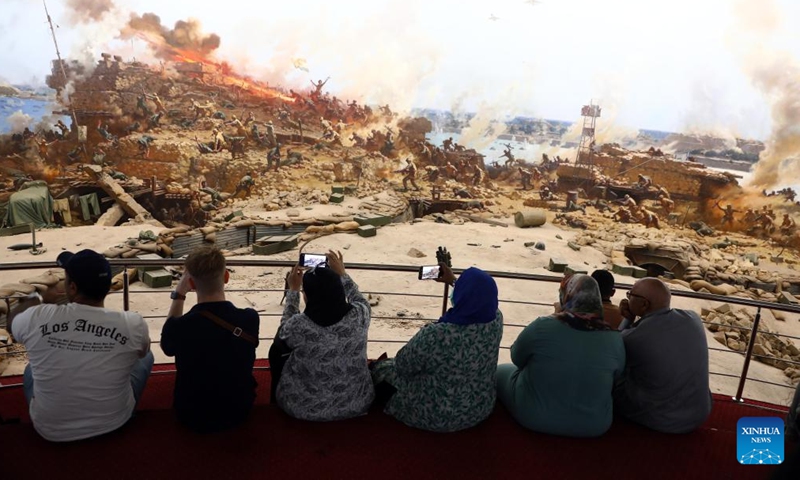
429, 272
313, 259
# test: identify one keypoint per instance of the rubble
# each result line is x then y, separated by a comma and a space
732, 326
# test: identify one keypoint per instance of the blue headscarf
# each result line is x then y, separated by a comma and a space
474, 299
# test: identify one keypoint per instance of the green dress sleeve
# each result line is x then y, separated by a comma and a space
522, 349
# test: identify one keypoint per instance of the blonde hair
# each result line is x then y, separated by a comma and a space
206, 265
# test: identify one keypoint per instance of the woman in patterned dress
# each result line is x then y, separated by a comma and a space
325, 375
442, 380
564, 366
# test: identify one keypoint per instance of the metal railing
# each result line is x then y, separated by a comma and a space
754, 331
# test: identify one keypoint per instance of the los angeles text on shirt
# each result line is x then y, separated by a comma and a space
84, 326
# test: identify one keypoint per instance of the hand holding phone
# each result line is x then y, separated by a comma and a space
311, 260
429, 272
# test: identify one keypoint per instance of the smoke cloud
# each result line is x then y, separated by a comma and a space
19, 121
776, 74
186, 35
85, 11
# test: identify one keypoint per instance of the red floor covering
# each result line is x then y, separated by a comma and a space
272, 445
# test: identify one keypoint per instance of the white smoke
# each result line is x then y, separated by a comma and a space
776, 74
19, 121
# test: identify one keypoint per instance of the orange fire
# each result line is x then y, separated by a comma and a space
224, 72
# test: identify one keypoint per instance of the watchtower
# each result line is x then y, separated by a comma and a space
590, 114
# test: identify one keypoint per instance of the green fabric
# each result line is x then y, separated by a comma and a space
562, 378
90, 205
147, 235
33, 204
444, 376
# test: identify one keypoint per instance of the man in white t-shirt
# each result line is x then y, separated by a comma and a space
88, 365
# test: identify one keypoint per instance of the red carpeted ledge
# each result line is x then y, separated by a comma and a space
272, 445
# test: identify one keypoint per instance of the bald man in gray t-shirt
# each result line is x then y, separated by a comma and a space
665, 383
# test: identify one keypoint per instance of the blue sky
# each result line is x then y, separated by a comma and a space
661, 65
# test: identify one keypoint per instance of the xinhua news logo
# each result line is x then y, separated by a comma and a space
759, 440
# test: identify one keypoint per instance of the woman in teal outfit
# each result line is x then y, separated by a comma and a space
443, 379
564, 367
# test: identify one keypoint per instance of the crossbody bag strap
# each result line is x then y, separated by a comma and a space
236, 331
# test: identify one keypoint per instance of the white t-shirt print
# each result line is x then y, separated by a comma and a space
81, 359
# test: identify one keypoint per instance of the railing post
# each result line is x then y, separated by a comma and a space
748, 356
126, 300
444, 300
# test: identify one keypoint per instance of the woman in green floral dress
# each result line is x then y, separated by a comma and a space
443, 378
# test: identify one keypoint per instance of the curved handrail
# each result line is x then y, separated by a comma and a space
238, 262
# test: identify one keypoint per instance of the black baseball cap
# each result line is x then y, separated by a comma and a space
89, 270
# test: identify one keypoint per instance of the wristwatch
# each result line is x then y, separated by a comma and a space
177, 296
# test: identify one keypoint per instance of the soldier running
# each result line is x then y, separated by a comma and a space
509, 157
727, 217
410, 171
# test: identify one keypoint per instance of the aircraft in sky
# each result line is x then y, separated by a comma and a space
493, 18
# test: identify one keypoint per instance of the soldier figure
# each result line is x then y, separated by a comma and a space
218, 139
433, 173
141, 104
666, 204
545, 194
525, 177
477, 179
767, 224
410, 171
215, 196
154, 120
274, 155
43, 150
509, 156
144, 145
623, 215
99, 156
627, 201
447, 144
749, 217
240, 130
271, 133
461, 193
648, 218
103, 130
727, 217
245, 185
451, 171
318, 87
644, 182
788, 226
358, 140
159, 104
64, 130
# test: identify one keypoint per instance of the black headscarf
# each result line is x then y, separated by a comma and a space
326, 303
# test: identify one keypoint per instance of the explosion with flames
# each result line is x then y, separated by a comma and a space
186, 44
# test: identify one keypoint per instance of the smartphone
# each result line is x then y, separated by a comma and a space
313, 259
430, 272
